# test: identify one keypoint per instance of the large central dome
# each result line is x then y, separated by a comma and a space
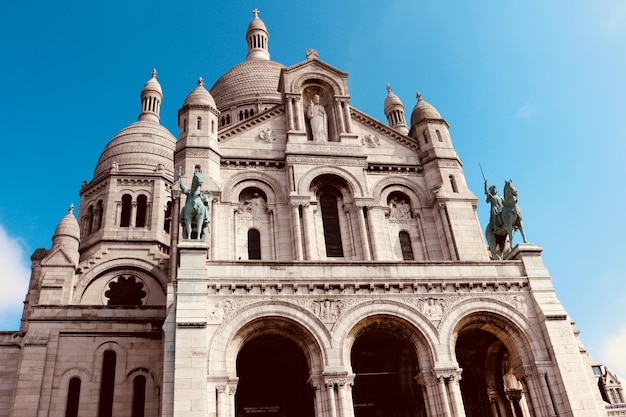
253, 81
248, 81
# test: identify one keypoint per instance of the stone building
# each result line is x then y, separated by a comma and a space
343, 273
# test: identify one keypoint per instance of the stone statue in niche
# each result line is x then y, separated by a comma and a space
255, 206
318, 119
400, 209
195, 212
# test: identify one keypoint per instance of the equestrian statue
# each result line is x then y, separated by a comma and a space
505, 217
194, 216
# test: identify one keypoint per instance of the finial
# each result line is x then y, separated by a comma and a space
389, 88
256, 12
70, 210
312, 54
419, 96
154, 73
200, 82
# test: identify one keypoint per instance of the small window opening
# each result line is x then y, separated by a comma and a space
73, 398
142, 209
453, 184
254, 244
107, 384
126, 205
405, 246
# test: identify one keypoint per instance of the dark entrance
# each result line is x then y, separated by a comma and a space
273, 379
485, 363
385, 365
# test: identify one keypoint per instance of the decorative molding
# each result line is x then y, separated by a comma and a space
191, 325
315, 160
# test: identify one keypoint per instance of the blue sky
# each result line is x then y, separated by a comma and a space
534, 91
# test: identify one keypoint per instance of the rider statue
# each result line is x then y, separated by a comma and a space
497, 204
196, 208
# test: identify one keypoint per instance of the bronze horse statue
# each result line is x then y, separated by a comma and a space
194, 216
504, 220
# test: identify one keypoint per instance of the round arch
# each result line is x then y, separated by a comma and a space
304, 184
501, 320
415, 327
234, 185
317, 77
384, 187
289, 320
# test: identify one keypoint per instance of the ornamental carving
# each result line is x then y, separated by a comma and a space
266, 136
331, 309
371, 141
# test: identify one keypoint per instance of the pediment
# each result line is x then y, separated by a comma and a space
294, 79
57, 256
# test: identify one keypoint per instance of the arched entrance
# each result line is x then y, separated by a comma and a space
385, 365
273, 379
488, 385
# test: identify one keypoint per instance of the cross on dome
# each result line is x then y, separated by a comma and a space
389, 88
256, 12
154, 73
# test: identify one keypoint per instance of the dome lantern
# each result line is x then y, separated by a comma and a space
151, 97
257, 37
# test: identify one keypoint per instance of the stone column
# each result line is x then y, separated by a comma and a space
365, 241
133, 214
297, 230
232, 390
213, 226
455, 394
299, 114
290, 114
223, 408
306, 227
344, 392
330, 399
443, 396
340, 116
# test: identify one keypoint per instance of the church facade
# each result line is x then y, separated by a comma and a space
339, 270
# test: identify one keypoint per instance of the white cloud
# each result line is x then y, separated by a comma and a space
613, 352
526, 111
14, 280
617, 19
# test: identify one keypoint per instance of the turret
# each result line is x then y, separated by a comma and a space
257, 37
394, 111
151, 97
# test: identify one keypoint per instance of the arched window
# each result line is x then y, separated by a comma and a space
425, 137
98, 215
184, 125
73, 397
199, 123
246, 114
228, 119
330, 221
126, 205
439, 135
142, 209
139, 396
107, 384
254, 244
240, 114
453, 184
168, 217
405, 246
89, 221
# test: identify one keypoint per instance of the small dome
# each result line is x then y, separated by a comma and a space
142, 147
256, 24
422, 111
249, 81
199, 96
392, 100
67, 228
152, 84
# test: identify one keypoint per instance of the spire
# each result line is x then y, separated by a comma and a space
151, 97
257, 37
394, 111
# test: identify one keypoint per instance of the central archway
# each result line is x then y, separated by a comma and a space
273, 379
385, 365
